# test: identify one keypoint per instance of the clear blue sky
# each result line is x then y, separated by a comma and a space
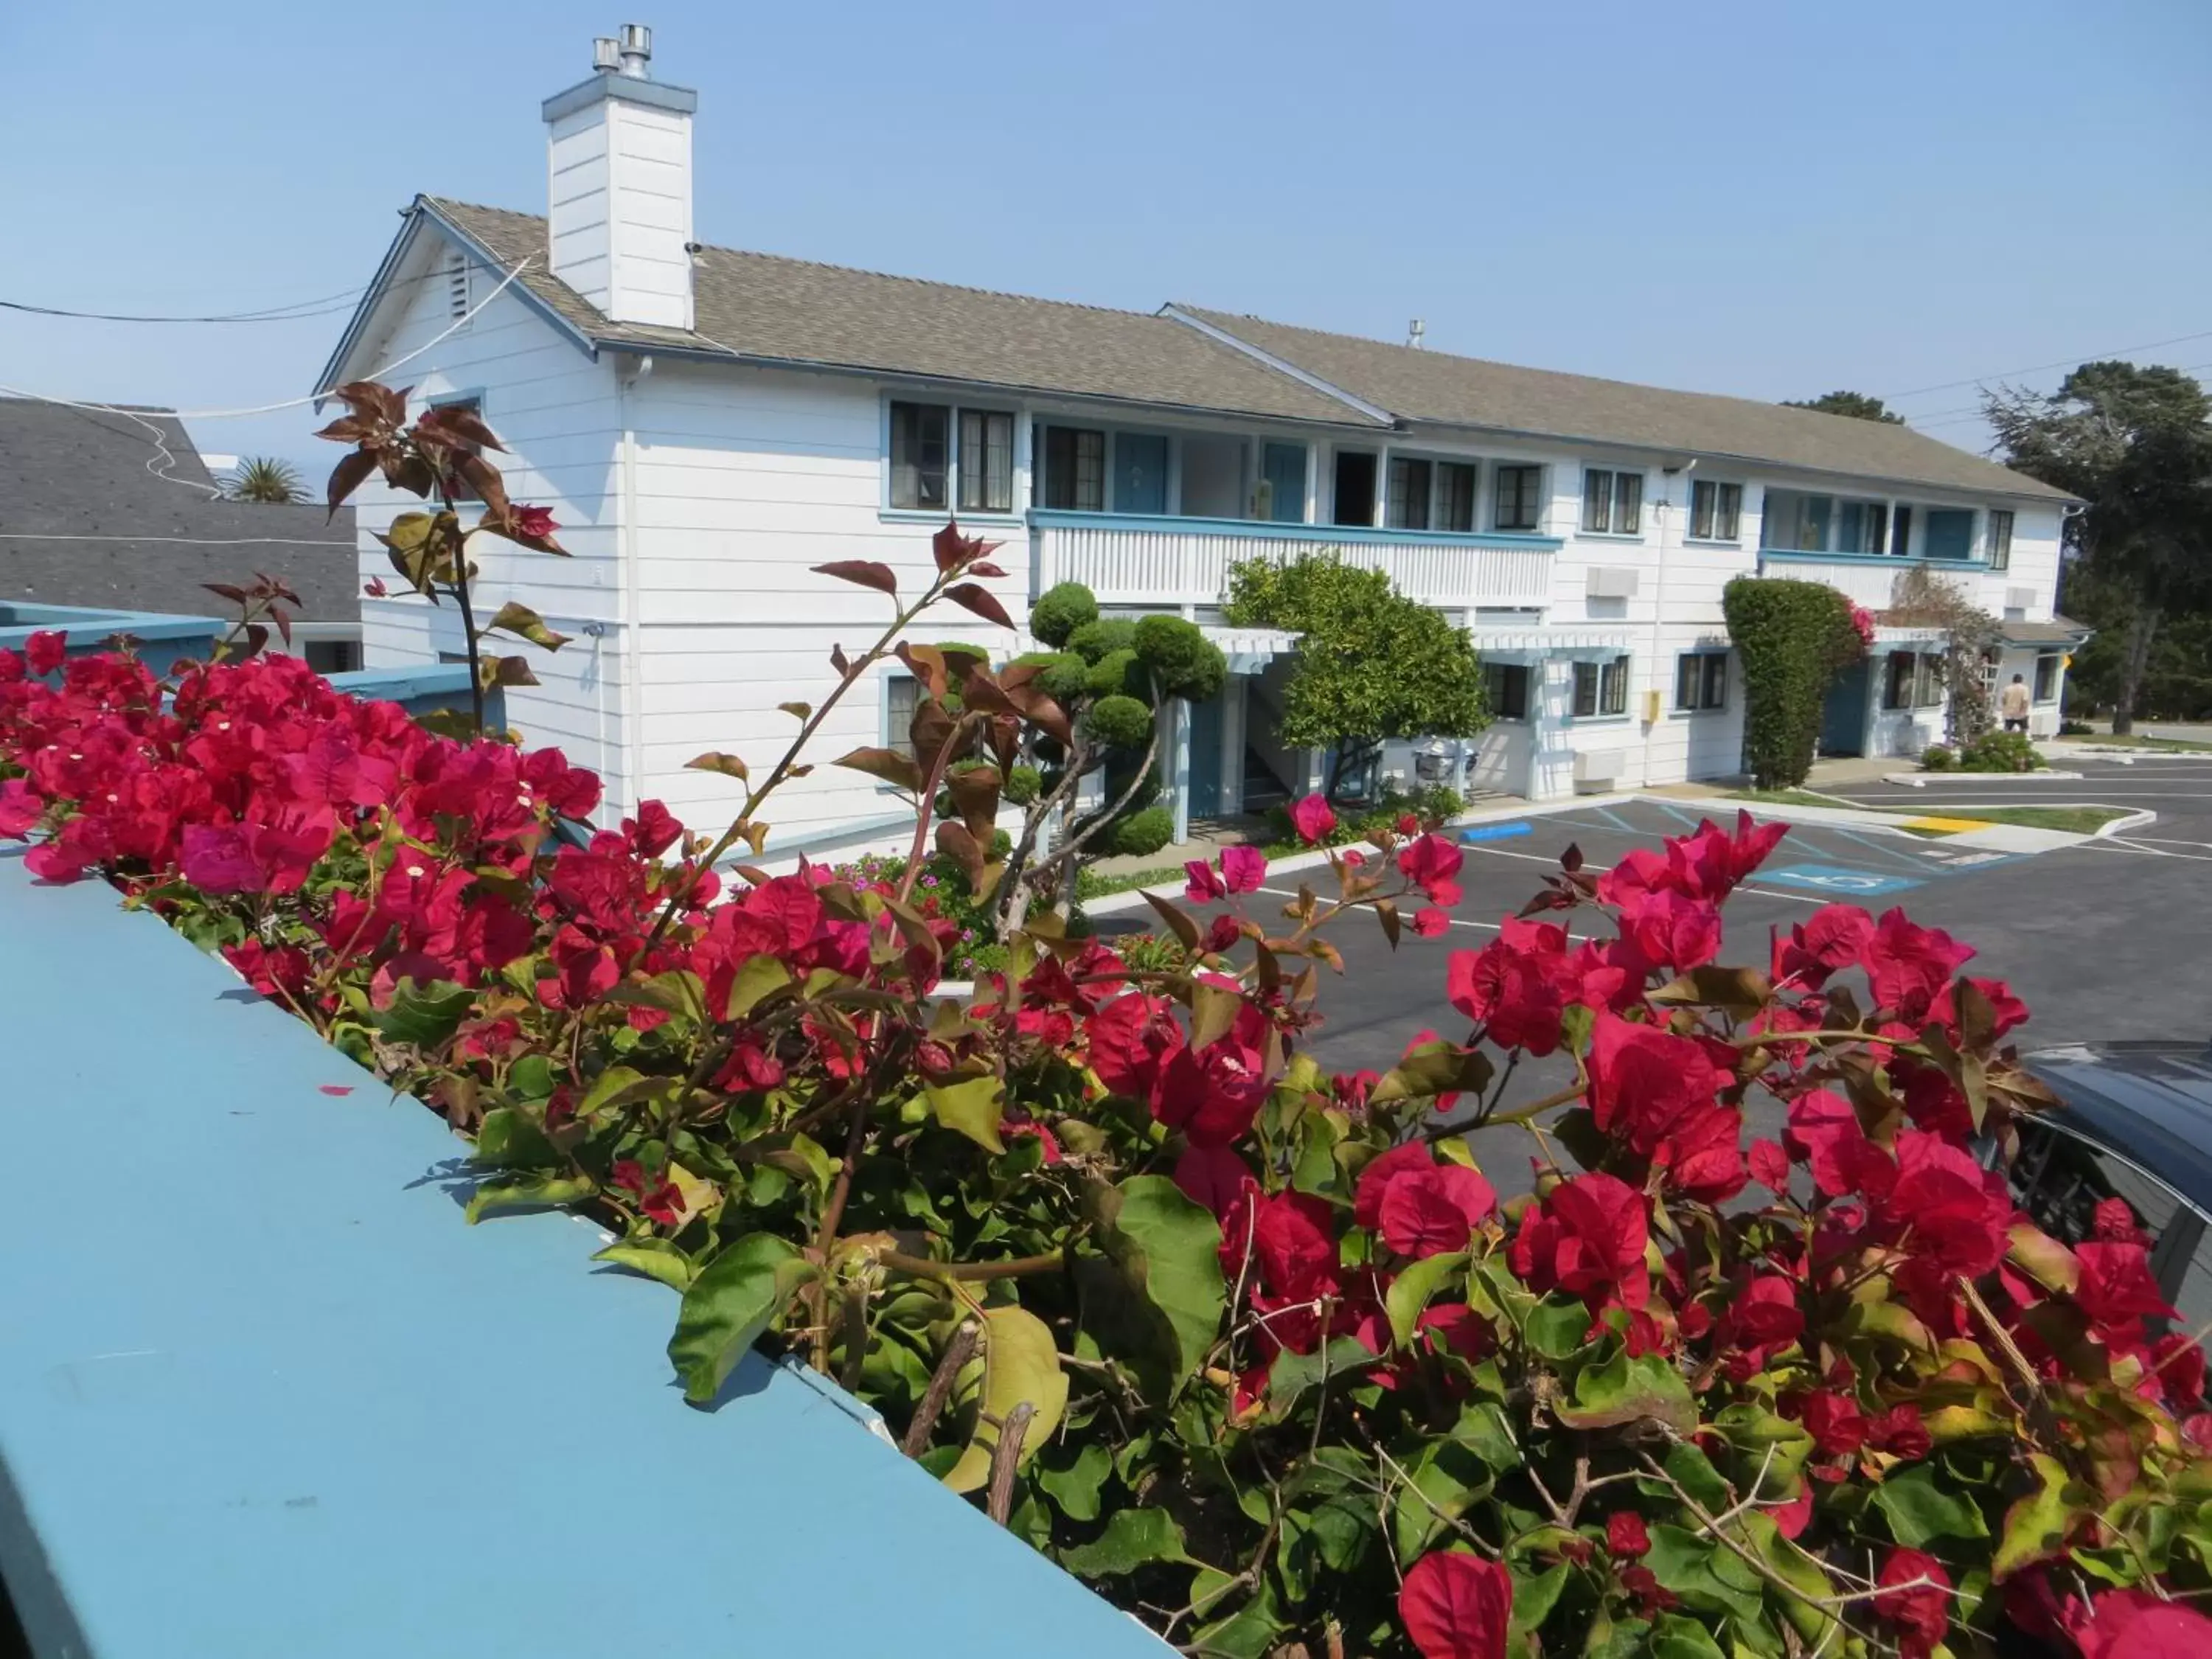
1767, 199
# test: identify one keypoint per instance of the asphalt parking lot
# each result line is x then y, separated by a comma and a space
2104, 940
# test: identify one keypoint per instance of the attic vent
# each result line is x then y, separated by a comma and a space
456, 273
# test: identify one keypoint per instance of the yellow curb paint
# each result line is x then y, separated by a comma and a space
1947, 826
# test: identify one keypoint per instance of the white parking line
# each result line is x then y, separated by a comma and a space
2122, 844
1485, 926
1600, 869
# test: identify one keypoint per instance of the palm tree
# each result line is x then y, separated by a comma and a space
264, 478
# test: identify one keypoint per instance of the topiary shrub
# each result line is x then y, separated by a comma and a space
1058, 613
2000, 752
1116, 674
1096, 640
1937, 758
1182, 661
1791, 637
1024, 784
1063, 676
1144, 832
1121, 722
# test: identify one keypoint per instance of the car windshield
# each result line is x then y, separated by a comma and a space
2059, 1179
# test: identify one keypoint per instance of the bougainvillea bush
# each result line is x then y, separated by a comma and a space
1254, 1350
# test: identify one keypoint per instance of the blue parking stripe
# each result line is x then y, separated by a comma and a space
1911, 861
1615, 819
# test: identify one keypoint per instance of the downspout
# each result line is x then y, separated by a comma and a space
633, 606
1659, 603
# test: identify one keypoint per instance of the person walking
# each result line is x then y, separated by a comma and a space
2012, 703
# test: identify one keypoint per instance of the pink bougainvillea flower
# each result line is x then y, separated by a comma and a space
534, 520
1294, 1242
654, 830
2117, 1289
1832, 938
376, 589
2114, 1222
19, 807
1643, 1081
1430, 921
657, 1197
1763, 1318
1431, 864
1900, 1432
1429, 1211
1314, 819
1375, 1179
1824, 1130
1770, 1165
1918, 1612
2137, 1624
46, 651
1243, 868
1909, 966
1200, 884
1514, 988
1626, 1537
334, 1088
1954, 1213
1215, 1177
1586, 1238
1456, 1606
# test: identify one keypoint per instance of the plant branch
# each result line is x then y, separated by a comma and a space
957, 1353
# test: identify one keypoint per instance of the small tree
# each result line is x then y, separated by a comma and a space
1853, 405
264, 478
1920, 598
1111, 679
1372, 666
1792, 638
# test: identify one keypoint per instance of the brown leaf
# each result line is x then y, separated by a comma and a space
865, 572
949, 547
1386, 913
256, 637
226, 591
798, 711
975, 793
974, 596
505, 670
283, 618
347, 429
453, 423
1741, 992
926, 664
962, 848
1041, 711
716, 760
981, 693
885, 763
347, 477
1185, 928
839, 661
483, 477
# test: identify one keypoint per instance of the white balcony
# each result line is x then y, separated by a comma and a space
1129, 559
1868, 579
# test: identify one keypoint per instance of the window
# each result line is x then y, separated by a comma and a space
1928, 681
2060, 1179
1455, 495
1912, 681
1074, 470
1518, 502
985, 462
1716, 510
1612, 502
1602, 687
900, 695
1950, 533
2046, 677
1408, 506
1901, 530
1795, 522
1861, 527
1701, 680
341, 656
2001, 540
1354, 497
1505, 689
921, 456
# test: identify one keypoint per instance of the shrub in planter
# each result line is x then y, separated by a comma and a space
1792, 638
1142, 832
1937, 758
2000, 752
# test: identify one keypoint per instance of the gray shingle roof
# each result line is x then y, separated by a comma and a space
761, 304
67, 474
1468, 391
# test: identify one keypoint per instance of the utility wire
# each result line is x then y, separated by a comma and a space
183, 541
323, 306
2037, 368
1951, 416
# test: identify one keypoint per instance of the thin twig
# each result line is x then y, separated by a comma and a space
1005, 1458
956, 1354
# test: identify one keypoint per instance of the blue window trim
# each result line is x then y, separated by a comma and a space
1643, 503
1171, 524
1784, 555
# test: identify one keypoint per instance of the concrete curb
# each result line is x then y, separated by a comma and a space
2129, 757
1919, 779
2142, 819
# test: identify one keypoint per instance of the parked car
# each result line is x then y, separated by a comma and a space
2134, 1122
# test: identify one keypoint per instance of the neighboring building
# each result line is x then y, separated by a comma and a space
707, 424
112, 509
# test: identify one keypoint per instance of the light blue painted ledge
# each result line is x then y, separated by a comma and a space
263, 1396
163, 638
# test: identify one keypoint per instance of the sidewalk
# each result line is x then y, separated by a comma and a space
1825, 774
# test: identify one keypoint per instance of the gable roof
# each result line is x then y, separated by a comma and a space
85, 521
764, 307
1436, 387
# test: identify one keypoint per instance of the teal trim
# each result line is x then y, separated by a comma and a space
1784, 555
924, 515
1173, 525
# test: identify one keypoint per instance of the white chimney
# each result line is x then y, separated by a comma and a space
618, 153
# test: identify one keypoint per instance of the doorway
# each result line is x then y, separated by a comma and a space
1353, 499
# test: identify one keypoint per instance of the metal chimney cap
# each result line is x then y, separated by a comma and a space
636, 49
606, 56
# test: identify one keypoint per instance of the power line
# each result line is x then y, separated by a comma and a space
2036, 368
183, 541
1967, 412
325, 305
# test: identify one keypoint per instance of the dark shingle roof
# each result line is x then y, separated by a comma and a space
1436, 386
82, 517
763, 306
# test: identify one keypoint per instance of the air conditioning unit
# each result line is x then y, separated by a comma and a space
1598, 770
1610, 582
2019, 598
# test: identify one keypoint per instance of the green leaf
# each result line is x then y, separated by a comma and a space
756, 976
1690, 1466
1690, 1564
1766, 1445
1676, 1637
1624, 1391
1444, 1480
1250, 1632
1134, 1538
971, 1109
1075, 1489
1434, 1068
1292, 1374
508, 1138
531, 1077
1535, 1595
522, 622
1919, 1511
1167, 1249
1811, 1621
678, 992
656, 1258
1555, 1329
527, 1191
734, 1298
1417, 1281
1020, 1364
623, 1086
424, 1015
2035, 1527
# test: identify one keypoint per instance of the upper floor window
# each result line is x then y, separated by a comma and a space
1505, 689
1602, 687
1716, 510
1612, 502
1074, 470
986, 461
1796, 522
1701, 680
1861, 527
1949, 534
1455, 495
1517, 497
930, 448
921, 455
1406, 506
2001, 540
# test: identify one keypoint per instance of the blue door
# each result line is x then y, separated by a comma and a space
1205, 719
1842, 717
1283, 468
1140, 472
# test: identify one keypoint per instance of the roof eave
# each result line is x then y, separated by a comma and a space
371, 298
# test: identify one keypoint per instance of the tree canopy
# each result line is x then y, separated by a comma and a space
1856, 405
1372, 666
2135, 444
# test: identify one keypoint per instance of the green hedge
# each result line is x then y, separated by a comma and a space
1791, 637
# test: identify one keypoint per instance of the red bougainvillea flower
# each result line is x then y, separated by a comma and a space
2135, 1624
2115, 1223
1770, 1165
1432, 864
376, 589
1918, 1612
1954, 1213
1834, 1421
1586, 1238
1625, 1535
1200, 884
1652, 1597
1431, 922
1762, 1319
1313, 819
1456, 1606
45, 651
1831, 939
20, 808
1643, 1081
1862, 625
1900, 1432
1215, 1177
1909, 966
1824, 1130
1375, 1179
1426, 1211
1672, 930
534, 520
657, 1196
1243, 868
2116, 1289
1514, 986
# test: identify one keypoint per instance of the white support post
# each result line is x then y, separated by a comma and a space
1232, 745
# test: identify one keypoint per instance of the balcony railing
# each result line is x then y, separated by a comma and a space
1129, 559
1865, 579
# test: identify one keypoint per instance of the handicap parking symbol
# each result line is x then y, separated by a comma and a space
1833, 878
